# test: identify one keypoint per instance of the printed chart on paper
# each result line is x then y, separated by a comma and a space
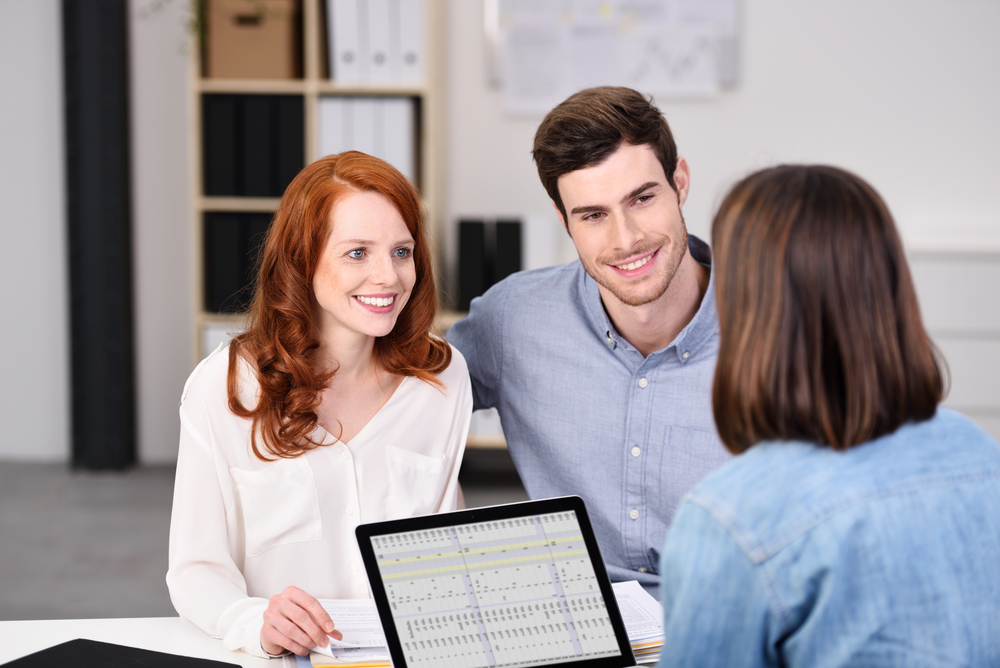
508, 593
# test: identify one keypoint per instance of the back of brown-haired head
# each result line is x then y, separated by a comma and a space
821, 335
590, 125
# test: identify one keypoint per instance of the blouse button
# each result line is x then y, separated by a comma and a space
350, 510
636, 451
634, 514
643, 382
355, 567
345, 454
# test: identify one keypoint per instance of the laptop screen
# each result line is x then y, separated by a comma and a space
516, 587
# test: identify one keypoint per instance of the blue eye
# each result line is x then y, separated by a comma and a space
403, 253
357, 253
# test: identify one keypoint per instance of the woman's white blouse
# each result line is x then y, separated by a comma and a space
242, 530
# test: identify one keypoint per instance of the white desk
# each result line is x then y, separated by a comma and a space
161, 634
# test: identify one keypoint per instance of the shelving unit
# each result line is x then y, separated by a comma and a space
314, 84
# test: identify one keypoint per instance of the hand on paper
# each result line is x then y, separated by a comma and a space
295, 621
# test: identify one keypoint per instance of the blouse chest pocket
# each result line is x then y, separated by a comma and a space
416, 482
280, 504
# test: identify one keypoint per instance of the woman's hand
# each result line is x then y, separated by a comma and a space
295, 621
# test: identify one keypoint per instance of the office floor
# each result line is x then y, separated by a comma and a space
77, 544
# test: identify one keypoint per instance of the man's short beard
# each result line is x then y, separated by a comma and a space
651, 294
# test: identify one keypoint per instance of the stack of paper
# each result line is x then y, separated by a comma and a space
643, 617
363, 643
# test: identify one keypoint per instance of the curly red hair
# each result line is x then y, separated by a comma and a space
282, 335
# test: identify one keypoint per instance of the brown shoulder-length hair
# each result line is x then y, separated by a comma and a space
282, 334
588, 126
821, 336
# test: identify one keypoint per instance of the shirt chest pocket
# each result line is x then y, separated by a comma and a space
279, 503
416, 482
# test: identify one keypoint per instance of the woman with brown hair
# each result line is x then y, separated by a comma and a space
335, 407
860, 523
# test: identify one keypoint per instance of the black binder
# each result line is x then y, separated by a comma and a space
94, 654
232, 248
507, 251
253, 145
473, 272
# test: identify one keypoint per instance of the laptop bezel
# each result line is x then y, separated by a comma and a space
365, 532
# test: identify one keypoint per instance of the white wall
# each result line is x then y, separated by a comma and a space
162, 246
34, 381
34, 391
903, 92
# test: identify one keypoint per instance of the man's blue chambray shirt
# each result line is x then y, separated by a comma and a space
584, 413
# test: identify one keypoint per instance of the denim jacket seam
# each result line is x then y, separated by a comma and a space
754, 553
825, 513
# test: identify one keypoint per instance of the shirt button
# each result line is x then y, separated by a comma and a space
610, 339
634, 514
345, 454
685, 355
355, 567
350, 510
643, 382
636, 451
642, 569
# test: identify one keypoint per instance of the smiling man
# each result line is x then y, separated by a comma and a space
602, 369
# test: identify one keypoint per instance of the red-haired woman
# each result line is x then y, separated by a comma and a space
335, 407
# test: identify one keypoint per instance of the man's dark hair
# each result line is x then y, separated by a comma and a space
821, 337
590, 125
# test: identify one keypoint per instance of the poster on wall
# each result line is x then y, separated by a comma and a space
545, 50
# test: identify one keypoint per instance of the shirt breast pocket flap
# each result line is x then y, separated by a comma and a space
280, 504
416, 482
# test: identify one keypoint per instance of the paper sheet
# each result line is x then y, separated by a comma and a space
667, 48
357, 620
642, 614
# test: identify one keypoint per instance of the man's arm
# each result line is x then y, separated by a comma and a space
479, 337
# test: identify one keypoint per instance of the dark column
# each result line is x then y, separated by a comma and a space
95, 54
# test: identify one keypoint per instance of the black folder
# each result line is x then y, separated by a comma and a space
507, 250
253, 145
473, 271
232, 248
94, 654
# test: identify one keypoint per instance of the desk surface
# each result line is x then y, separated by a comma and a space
161, 634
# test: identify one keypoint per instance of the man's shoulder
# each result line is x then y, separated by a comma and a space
541, 284
536, 297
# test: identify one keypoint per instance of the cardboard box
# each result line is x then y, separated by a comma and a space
259, 39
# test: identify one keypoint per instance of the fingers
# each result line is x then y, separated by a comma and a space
295, 621
320, 617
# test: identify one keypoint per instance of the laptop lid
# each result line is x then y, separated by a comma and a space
521, 584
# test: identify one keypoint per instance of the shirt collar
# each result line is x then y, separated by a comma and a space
702, 327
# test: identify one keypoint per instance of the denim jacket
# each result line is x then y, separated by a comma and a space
798, 555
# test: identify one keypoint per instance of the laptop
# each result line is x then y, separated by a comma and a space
521, 584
